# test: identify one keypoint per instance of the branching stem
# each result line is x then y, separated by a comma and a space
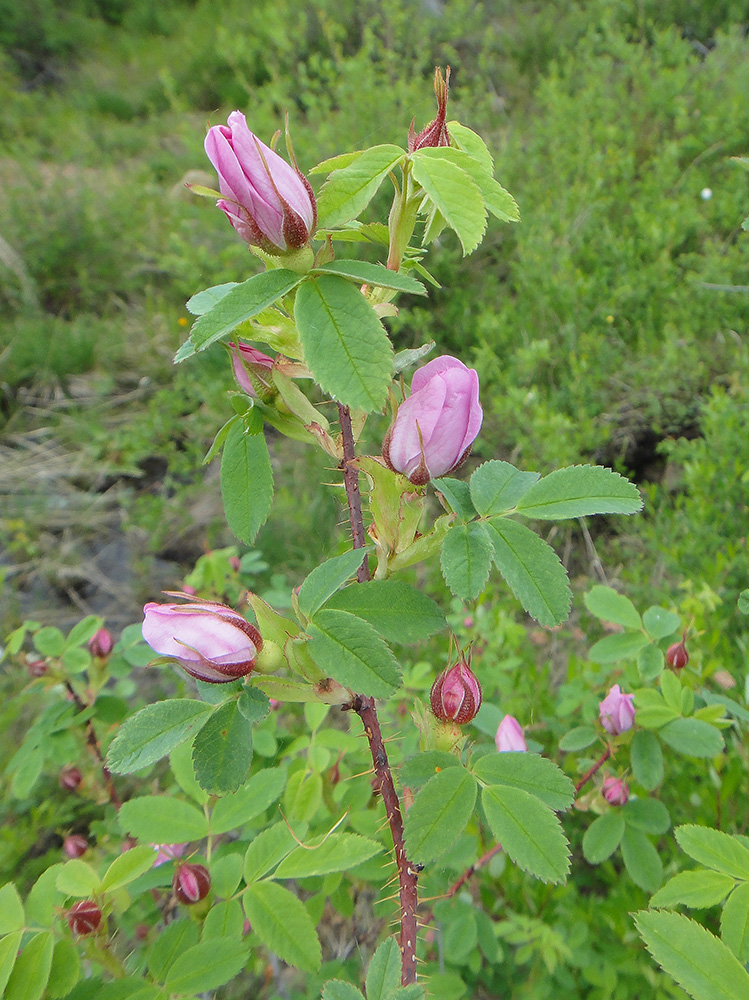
93, 741
591, 771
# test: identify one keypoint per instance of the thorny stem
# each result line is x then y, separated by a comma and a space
589, 773
365, 708
93, 741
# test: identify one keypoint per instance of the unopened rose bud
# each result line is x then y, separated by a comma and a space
456, 694
435, 133
75, 846
235, 563
101, 644
509, 736
615, 791
191, 883
36, 668
677, 655
617, 711
69, 778
141, 932
435, 427
210, 641
84, 917
189, 590
252, 370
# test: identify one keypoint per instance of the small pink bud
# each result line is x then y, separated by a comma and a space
190, 591
69, 778
456, 694
167, 852
677, 655
75, 846
510, 735
468, 622
252, 371
36, 668
141, 932
235, 563
615, 791
617, 711
101, 644
84, 917
191, 883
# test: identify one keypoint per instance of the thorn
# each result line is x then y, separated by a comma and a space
361, 774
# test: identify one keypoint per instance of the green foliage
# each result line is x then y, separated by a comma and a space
246, 478
439, 813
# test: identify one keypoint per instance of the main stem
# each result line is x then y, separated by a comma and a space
365, 708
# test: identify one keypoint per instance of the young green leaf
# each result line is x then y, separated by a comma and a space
64, 972
646, 758
339, 989
326, 578
496, 487
532, 571
648, 815
222, 751
203, 302
659, 622
162, 819
531, 772
240, 304
620, 646
398, 611
603, 836
458, 495
336, 853
11, 910
529, 832
693, 738
650, 662
455, 194
578, 739
345, 344
734, 922
246, 481
417, 770
610, 606
439, 814
127, 867
641, 859
350, 651
579, 490
172, 941
28, 980
694, 889
267, 849
349, 189
384, 972
224, 920
466, 559
206, 966
700, 963
471, 143
76, 878
261, 791
715, 850
155, 731
361, 271
9, 946
283, 924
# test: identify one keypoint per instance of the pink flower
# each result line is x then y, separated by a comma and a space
269, 203
249, 364
615, 791
617, 711
436, 426
510, 735
210, 641
167, 852
456, 694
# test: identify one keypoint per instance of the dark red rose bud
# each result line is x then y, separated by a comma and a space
141, 931
36, 668
70, 778
84, 917
75, 845
101, 644
236, 563
677, 655
456, 694
191, 883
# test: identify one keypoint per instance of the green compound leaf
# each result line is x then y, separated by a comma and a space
202, 302
398, 611
206, 966
532, 571
496, 487
458, 495
28, 980
701, 964
11, 910
351, 651
466, 559
454, 193
127, 867
694, 889
65, 970
648, 815
531, 772
384, 972
497, 200
349, 190
659, 622
621, 646
222, 752
417, 770
171, 942
246, 480
338, 853
224, 920
579, 490
608, 605
326, 578
439, 814
240, 304
339, 989
734, 922
693, 737
646, 758
76, 878
283, 924
267, 849
9, 946
345, 344
641, 859
361, 271
154, 732
162, 819
715, 850
603, 836
578, 739
650, 662
471, 143
529, 832
261, 791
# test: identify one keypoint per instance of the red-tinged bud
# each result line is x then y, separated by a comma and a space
435, 133
191, 883
141, 932
128, 844
236, 563
677, 655
84, 917
70, 778
101, 644
36, 668
456, 694
615, 791
75, 846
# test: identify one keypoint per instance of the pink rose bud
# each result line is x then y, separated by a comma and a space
509, 735
677, 655
36, 668
84, 917
101, 644
251, 369
167, 852
468, 622
436, 426
269, 203
69, 778
615, 791
435, 133
191, 883
75, 846
210, 641
456, 694
236, 563
617, 711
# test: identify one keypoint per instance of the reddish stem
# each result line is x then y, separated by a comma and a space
589, 773
365, 708
467, 874
93, 741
